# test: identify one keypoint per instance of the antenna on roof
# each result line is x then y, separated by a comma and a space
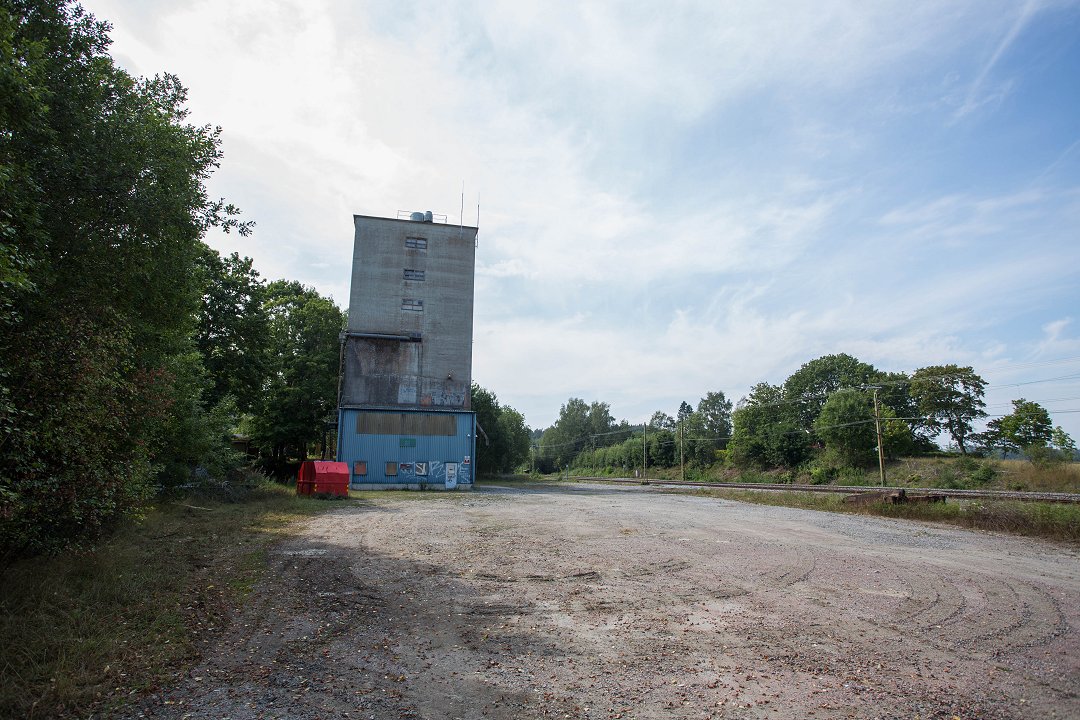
477, 220
461, 217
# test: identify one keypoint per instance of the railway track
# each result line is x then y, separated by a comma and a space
853, 489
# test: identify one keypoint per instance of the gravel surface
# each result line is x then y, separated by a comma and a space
591, 601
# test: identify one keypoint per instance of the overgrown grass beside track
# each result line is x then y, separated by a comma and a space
944, 471
1037, 519
81, 633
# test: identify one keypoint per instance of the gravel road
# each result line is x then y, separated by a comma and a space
591, 601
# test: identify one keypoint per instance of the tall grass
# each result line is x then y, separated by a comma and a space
80, 633
990, 474
1056, 521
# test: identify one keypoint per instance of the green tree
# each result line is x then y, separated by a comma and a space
764, 432
562, 441
489, 446
846, 424
950, 398
102, 207
660, 420
301, 392
809, 387
662, 448
1027, 426
895, 393
706, 430
600, 425
233, 328
196, 437
504, 444
512, 427
898, 438
715, 412
1063, 443
700, 443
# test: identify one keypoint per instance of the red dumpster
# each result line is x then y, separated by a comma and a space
317, 477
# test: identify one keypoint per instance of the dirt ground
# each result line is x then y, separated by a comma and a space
591, 601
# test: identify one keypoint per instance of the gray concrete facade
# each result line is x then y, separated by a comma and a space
409, 339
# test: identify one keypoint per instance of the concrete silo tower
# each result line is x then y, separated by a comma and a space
404, 411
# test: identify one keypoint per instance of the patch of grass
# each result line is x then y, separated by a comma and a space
988, 474
80, 633
1057, 521
1025, 475
513, 479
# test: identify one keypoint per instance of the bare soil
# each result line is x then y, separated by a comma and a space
591, 601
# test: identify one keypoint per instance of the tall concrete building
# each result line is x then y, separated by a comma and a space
404, 411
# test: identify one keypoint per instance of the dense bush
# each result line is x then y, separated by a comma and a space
104, 206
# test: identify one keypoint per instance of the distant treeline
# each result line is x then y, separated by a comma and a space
131, 350
823, 418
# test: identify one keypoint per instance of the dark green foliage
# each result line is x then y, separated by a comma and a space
820, 422
765, 431
568, 436
950, 398
661, 449
580, 427
810, 386
1027, 428
77, 458
503, 446
1063, 444
822, 474
195, 443
233, 329
846, 424
102, 206
700, 444
300, 395
623, 457
709, 428
660, 420
982, 474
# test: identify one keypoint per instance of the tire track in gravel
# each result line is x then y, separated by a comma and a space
600, 603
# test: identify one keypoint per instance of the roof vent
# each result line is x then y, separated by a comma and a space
428, 217
417, 217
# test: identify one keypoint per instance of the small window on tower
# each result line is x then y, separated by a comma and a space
417, 275
416, 243
412, 305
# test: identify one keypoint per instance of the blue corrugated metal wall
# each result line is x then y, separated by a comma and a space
418, 459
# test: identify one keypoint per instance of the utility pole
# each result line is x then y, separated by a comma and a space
644, 450
682, 465
880, 444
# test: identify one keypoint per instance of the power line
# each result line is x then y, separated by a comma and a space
799, 431
1075, 376
806, 398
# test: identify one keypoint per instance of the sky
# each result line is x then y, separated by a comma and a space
673, 198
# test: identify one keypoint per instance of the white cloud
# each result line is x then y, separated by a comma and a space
674, 199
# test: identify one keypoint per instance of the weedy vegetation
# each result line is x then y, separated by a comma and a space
81, 632
1055, 521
